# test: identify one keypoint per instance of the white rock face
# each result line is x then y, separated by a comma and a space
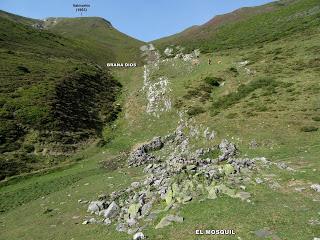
157, 88
168, 52
158, 100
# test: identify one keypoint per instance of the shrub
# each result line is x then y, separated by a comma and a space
195, 110
178, 104
234, 71
213, 81
316, 118
23, 69
231, 115
309, 129
28, 148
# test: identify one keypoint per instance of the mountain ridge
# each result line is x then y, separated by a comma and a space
219, 32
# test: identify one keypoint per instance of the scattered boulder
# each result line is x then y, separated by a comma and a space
315, 187
133, 210
95, 207
138, 236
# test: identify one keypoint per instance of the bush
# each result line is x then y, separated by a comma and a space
23, 69
231, 115
178, 104
316, 118
28, 148
309, 129
234, 71
213, 81
195, 110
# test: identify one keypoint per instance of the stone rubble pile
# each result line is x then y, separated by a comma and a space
175, 179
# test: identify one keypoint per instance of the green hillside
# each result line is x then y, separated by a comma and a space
99, 36
89, 38
249, 26
54, 96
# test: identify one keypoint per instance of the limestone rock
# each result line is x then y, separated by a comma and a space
95, 207
138, 236
228, 150
315, 187
112, 210
107, 221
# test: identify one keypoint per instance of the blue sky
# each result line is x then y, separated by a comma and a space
143, 19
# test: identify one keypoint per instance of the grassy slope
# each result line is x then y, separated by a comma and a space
273, 118
101, 38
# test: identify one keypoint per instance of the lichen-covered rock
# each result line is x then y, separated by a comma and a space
167, 220
133, 210
228, 169
212, 192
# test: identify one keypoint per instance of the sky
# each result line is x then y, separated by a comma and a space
143, 19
